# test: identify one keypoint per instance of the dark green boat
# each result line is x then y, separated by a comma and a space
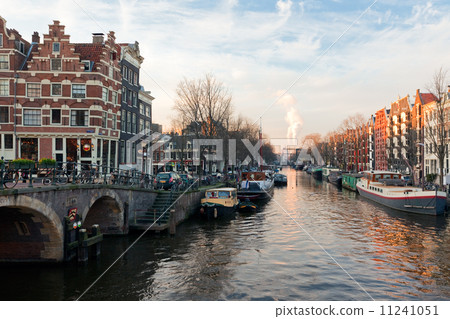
349, 180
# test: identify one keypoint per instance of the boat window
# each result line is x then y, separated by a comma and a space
224, 194
211, 194
377, 177
395, 177
387, 176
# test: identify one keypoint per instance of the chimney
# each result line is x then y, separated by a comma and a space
35, 37
97, 38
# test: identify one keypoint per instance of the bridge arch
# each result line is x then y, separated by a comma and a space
107, 210
29, 231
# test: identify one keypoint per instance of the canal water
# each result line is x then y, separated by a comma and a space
310, 242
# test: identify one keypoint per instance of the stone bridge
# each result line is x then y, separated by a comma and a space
31, 219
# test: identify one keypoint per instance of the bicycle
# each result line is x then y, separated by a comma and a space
10, 178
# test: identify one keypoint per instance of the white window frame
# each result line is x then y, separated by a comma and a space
51, 116
114, 121
125, 72
105, 94
28, 122
79, 85
114, 97
6, 56
1, 40
51, 64
6, 91
86, 120
87, 65
58, 45
40, 89
51, 89
7, 115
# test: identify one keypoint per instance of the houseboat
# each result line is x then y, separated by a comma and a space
280, 180
327, 171
219, 203
255, 186
335, 178
387, 188
317, 173
349, 180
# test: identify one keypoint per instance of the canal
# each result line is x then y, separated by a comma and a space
310, 242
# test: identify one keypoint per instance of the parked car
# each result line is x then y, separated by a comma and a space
167, 180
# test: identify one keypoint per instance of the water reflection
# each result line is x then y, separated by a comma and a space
266, 256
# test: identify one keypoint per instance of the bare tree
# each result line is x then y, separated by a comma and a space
206, 105
435, 120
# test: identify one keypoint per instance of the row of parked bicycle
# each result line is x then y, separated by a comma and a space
88, 175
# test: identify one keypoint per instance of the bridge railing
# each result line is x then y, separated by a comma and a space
32, 174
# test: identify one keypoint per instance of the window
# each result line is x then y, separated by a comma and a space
1, 40
134, 99
125, 72
4, 62
128, 122
79, 91
87, 65
105, 94
33, 89
141, 125
31, 117
134, 124
20, 46
124, 94
79, 118
111, 72
114, 97
130, 76
56, 116
58, 144
56, 47
8, 141
147, 110
104, 119
129, 97
4, 87
135, 79
123, 121
56, 89
114, 122
55, 64
4, 114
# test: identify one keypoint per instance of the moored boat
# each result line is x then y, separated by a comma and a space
335, 178
219, 203
327, 171
255, 186
387, 188
280, 180
317, 173
349, 180
247, 206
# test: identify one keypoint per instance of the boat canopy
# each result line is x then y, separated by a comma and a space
253, 176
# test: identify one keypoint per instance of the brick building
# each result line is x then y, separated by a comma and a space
381, 133
67, 98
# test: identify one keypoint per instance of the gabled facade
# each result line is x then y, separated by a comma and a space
381, 132
401, 140
13, 55
130, 64
67, 100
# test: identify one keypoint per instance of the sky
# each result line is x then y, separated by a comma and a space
300, 66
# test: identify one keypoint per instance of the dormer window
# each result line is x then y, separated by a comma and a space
87, 65
56, 47
1, 40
